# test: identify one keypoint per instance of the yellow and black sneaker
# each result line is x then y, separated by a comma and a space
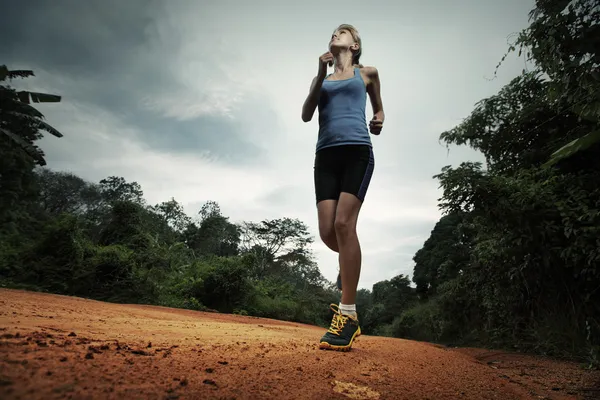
342, 332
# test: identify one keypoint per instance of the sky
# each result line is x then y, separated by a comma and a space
201, 100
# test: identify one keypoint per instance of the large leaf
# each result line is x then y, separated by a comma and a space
31, 150
573, 147
29, 117
20, 74
45, 98
40, 124
28, 109
38, 97
50, 129
589, 111
3, 72
6, 73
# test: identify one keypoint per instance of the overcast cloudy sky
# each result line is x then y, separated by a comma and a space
201, 100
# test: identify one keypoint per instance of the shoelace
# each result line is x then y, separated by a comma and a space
338, 322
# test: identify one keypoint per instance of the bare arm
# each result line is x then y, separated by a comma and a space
312, 100
374, 90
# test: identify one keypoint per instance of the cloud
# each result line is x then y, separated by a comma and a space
94, 151
186, 105
124, 59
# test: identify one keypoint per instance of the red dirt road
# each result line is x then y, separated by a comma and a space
64, 347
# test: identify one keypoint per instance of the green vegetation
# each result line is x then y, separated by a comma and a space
513, 263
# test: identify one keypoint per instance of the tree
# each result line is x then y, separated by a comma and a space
173, 214
563, 41
117, 189
20, 126
394, 296
278, 236
64, 192
19, 121
299, 267
511, 128
528, 233
212, 234
272, 241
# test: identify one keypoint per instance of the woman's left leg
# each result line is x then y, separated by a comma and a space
350, 257
357, 176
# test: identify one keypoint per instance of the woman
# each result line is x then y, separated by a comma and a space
344, 165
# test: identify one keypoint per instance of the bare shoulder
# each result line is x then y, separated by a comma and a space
369, 70
370, 73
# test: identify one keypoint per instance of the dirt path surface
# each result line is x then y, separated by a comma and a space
64, 347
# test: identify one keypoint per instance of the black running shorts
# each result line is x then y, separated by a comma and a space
345, 168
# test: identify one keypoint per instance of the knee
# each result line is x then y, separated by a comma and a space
328, 235
343, 226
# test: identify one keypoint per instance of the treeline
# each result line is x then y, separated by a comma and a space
103, 241
513, 263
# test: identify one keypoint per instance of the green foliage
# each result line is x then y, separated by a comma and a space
583, 143
563, 41
443, 254
419, 323
102, 241
58, 257
19, 121
63, 192
225, 283
389, 299
514, 261
213, 234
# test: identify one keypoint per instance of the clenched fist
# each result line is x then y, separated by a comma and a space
375, 126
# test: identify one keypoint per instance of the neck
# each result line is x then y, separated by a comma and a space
343, 62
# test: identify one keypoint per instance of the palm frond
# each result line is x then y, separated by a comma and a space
36, 97
35, 120
31, 150
6, 73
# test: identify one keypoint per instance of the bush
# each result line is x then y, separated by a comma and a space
281, 308
421, 322
225, 284
57, 258
109, 274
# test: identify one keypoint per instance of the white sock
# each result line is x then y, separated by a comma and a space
348, 309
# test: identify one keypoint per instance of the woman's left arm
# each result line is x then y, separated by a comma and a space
374, 90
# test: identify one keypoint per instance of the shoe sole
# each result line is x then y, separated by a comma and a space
348, 347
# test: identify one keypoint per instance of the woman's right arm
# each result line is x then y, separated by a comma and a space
312, 100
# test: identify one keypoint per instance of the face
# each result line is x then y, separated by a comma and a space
342, 39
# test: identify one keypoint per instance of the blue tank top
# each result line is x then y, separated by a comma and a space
342, 119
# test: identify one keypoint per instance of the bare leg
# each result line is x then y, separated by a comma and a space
326, 211
345, 221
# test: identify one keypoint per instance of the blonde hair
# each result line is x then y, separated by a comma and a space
354, 32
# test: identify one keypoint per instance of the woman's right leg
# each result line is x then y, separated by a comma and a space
326, 210
327, 190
